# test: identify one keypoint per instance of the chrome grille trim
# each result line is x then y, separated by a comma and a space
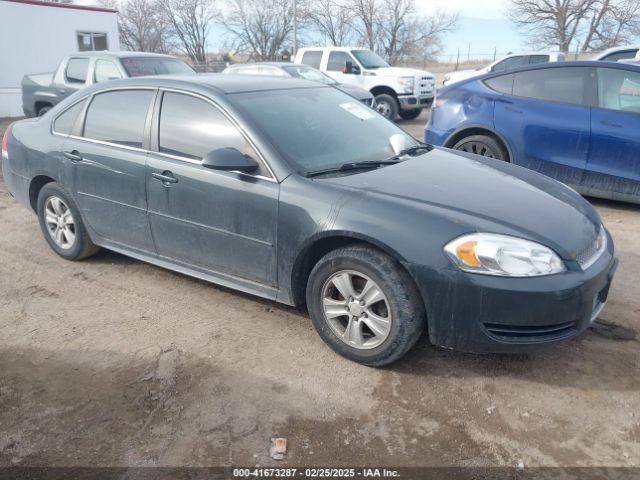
593, 252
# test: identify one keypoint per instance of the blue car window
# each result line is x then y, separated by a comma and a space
619, 90
565, 85
502, 84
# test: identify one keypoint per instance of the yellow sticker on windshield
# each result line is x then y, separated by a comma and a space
357, 110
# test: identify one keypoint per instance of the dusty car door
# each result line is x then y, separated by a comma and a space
108, 162
613, 164
219, 221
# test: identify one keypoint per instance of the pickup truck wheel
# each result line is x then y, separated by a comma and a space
483, 145
387, 106
44, 110
364, 305
410, 114
62, 225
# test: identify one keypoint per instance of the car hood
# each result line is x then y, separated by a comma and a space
355, 91
487, 195
400, 72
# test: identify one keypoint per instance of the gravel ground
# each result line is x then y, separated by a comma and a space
111, 361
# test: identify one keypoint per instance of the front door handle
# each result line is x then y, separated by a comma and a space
165, 177
610, 124
73, 155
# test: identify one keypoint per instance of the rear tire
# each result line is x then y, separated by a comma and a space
62, 225
484, 146
387, 106
364, 305
410, 114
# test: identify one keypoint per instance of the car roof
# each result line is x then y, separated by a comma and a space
118, 54
267, 64
225, 84
542, 66
341, 49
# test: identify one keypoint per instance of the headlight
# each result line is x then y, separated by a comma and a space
502, 255
407, 84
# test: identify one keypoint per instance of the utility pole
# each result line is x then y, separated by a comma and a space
295, 28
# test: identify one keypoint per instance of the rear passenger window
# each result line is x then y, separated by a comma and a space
118, 117
191, 127
509, 63
502, 84
106, 70
66, 120
533, 59
566, 85
77, 69
312, 58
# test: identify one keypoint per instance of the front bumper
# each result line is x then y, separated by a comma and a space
485, 314
411, 102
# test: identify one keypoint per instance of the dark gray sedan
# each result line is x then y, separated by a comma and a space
298, 193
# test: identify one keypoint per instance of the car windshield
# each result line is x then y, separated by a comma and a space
368, 59
308, 73
142, 66
322, 128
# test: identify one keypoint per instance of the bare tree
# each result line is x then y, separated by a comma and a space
332, 19
366, 13
190, 22
581, 24
259, 28
142, 25
403, 32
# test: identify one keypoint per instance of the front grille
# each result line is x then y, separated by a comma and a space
424, 85
530, 333
591, 253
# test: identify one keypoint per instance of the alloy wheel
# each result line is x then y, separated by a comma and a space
60, 222
356, 309
384, 109
479, 148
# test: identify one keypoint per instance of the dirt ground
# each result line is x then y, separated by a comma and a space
111, 361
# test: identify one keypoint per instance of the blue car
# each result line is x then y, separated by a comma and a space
578, 122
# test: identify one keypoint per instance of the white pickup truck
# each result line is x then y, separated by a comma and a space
398, 91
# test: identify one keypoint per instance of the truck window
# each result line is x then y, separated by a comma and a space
77, 69
337, 61
105, 70
312, 58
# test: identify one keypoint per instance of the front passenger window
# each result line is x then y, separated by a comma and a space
191, 127
619, 90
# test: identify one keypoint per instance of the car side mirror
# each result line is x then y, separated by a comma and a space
229, 159
350, 68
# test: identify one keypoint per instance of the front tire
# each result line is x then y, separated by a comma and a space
483, 145
43, 110
387, 106
364, 305
62, 225
410, 114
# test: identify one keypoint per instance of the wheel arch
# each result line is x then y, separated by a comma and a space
380, 89
40, 104
36, 184
321, 244
469, 130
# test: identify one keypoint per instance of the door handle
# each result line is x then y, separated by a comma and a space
63, 91
73, 155
513, 110
165, 177
609, 124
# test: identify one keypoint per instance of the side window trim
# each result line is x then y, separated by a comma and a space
597, 104
154, 145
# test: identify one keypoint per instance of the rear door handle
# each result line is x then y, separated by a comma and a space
610, 124
513, 110
165, 177
74, 156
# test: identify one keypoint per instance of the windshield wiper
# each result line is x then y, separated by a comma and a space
411, 151
345, 167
